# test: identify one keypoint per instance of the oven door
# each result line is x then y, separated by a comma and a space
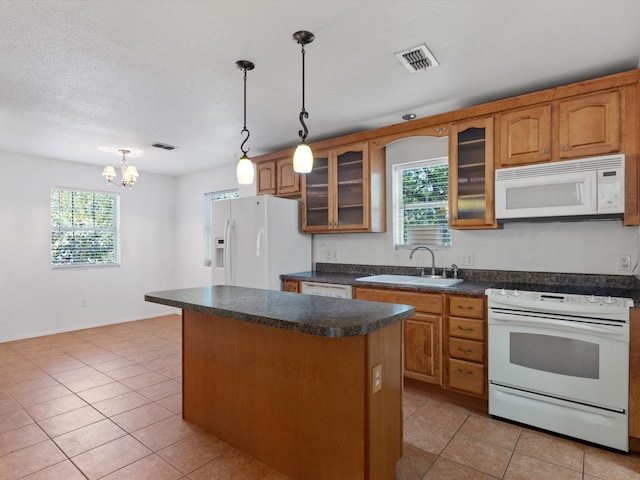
584, 363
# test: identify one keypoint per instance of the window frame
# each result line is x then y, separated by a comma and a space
115, 230
398, 203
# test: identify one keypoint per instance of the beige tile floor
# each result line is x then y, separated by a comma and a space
106, 403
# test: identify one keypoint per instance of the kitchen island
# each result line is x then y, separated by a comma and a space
311, 386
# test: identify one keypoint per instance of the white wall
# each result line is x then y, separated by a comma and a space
37, 300
572, 247
189, 226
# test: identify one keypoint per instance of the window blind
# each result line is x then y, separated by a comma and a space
84, 228
421, 203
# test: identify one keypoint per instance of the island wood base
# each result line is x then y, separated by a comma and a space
300, 403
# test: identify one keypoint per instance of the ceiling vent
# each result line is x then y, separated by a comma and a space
164, 146
417, 59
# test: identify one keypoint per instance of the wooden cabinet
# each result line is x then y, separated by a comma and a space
291, 286
589, 125
580, 126
471, 182
266, 178
422, 332
466, 346
525, 136
344, 192
276, 177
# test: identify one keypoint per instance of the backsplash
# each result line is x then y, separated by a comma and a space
622, 282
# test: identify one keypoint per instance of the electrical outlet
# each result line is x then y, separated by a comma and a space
327, 254
624, 263
83, 302
467, 259
334, 255
376, 379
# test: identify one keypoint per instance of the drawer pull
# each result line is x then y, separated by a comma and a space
470, 329
469, 307
468, 350
465, 373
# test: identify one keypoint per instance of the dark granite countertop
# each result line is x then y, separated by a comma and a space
320, 316
477, 281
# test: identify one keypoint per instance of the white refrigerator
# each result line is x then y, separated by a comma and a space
256, 239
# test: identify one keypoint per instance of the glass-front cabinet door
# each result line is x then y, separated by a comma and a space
350, 199
316, 207
471, 182
336, 191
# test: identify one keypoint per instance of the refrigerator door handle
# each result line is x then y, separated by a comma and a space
259, 241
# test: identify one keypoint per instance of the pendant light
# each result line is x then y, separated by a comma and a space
303, 157
244, 171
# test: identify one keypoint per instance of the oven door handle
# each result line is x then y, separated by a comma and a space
516, 319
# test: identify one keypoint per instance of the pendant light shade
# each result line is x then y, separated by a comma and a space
303, 157
245, 172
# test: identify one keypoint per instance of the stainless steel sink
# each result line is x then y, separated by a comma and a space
436, 281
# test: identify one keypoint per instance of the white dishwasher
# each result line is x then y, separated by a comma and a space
326, 289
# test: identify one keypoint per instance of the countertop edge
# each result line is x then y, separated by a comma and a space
302, 323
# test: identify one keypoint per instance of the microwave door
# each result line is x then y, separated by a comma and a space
555, 195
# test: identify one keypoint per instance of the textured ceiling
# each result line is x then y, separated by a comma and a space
79, 75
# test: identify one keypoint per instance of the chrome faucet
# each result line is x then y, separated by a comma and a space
433, 257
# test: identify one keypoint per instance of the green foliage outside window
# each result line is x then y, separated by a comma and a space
425, 196
84, 228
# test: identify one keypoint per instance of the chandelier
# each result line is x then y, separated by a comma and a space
129, 172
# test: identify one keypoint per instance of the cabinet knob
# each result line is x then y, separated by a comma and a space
564, 148
546, 150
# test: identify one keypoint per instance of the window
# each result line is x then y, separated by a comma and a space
208, 240
84, 228
421, 203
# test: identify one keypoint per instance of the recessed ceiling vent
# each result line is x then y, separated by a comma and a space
417, 59
164, 146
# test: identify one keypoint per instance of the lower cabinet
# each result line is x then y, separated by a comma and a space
445, 341
422, 356
466, 345
291, 286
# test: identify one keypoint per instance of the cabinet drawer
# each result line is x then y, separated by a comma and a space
470, 307
466, 328
423, 302
466, 349
466, 376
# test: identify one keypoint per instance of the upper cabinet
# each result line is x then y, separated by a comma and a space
345, 191
579, 126
471, 189
525, 136
276, 177
589, 125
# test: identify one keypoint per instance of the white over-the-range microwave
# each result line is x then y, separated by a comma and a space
590, 188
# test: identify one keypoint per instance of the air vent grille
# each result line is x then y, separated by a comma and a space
558, 168
417, 59
164, 146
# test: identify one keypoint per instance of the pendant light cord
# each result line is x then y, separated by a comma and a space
244, 128
303, 113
